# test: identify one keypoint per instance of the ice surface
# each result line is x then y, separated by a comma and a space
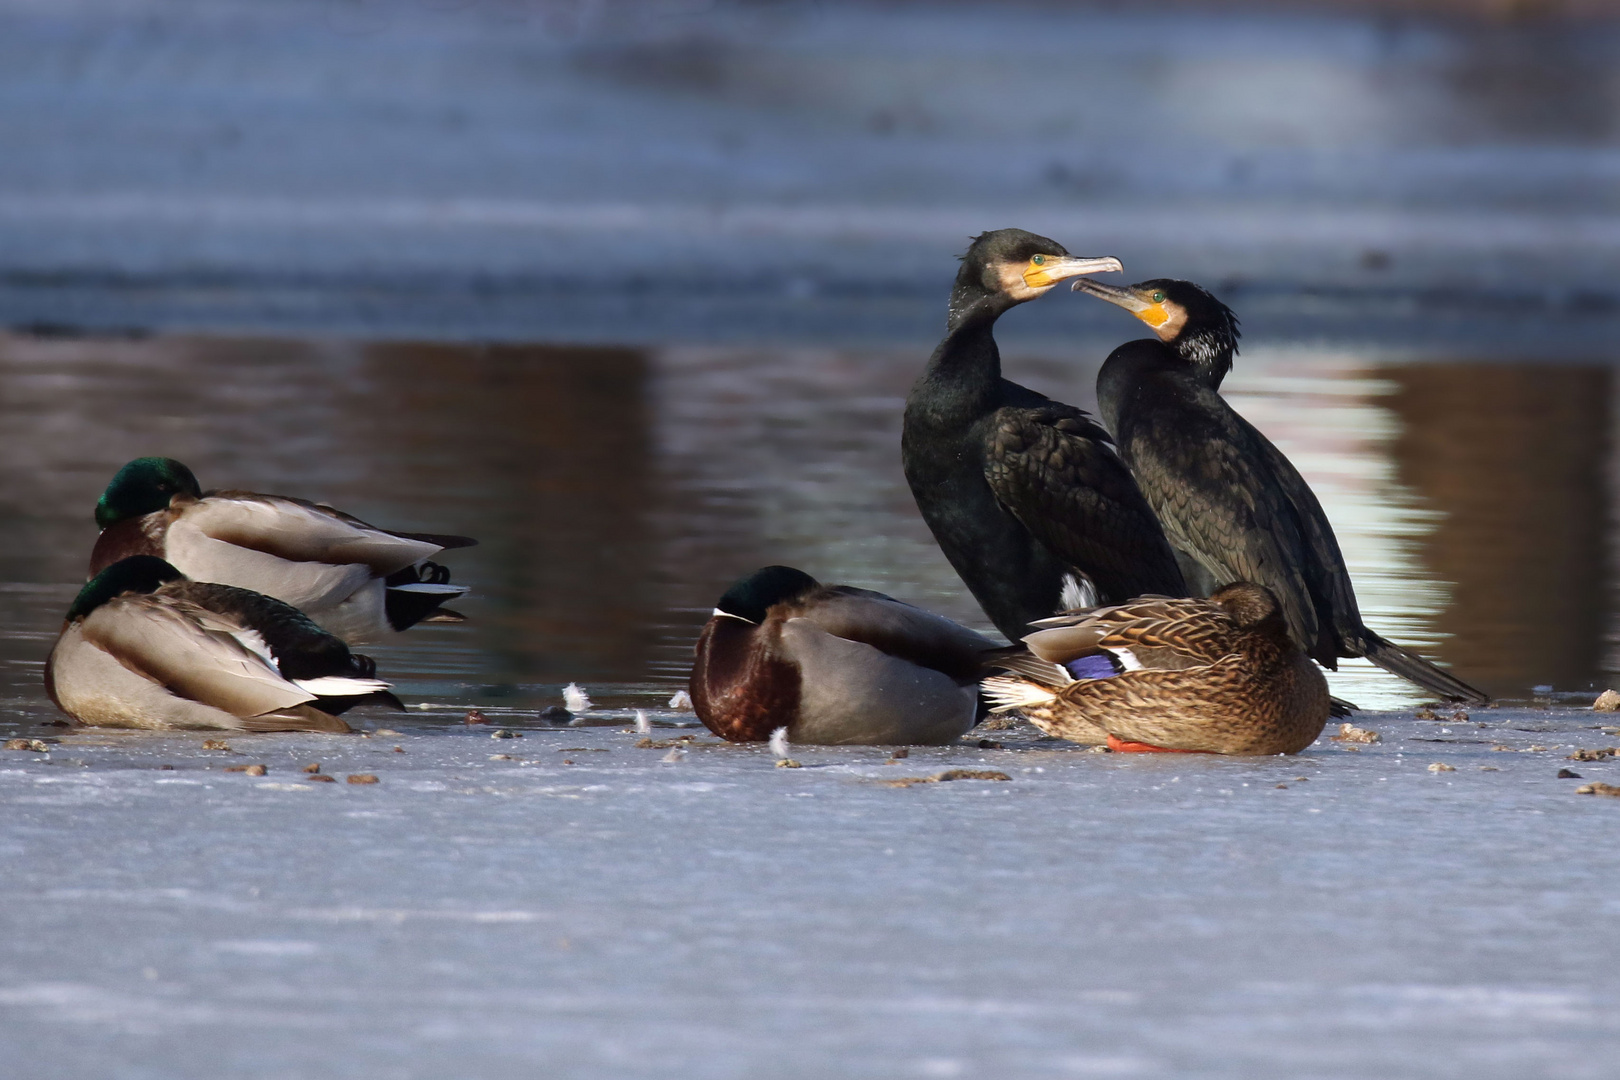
580, 908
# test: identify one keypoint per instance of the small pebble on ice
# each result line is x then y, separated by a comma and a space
362, 778
575, 699
503, 733
1441, 766
555, 714
216, 744
681, 700
787, 763
1598, 789
1349, 733
313, 767
1608, 701
475, 717
1568, 774
385, 731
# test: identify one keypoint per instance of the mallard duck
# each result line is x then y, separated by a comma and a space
1216, 676
357, 581
143, 647
1024, 494
1225, 495
833, 665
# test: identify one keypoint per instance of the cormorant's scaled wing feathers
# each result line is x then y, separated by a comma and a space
300, 531
1055, 471
896, 628
192, 652
1216, 495
1331, 580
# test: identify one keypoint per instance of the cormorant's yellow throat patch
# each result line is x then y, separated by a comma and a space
1155, 316
1039, 272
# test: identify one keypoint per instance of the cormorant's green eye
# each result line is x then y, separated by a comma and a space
1039, 260
1158, 298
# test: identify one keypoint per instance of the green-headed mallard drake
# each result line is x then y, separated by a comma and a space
1226, 496
1216, 676
357, 581
833, 665
145, 648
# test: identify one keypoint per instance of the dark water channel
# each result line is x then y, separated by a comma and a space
617, 490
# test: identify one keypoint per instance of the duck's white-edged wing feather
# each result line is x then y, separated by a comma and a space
303, 532
193, 652
342, 686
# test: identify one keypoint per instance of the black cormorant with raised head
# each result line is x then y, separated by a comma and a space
1024, 494
1224, 494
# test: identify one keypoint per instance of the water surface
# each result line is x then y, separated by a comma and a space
617, 491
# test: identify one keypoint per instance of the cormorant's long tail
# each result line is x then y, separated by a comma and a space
1413, 668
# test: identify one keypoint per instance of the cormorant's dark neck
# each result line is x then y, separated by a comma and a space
1208, 351
966, 366
972, 304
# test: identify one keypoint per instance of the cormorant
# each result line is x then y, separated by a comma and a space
1024, 494
1222, 491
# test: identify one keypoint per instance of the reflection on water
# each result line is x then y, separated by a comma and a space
1515, 459
617, 491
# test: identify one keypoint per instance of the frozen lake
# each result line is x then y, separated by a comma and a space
585, 908
633, 292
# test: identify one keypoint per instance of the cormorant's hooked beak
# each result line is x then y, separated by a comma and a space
1055, 268
1153, 314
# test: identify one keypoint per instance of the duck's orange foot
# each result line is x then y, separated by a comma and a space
1120, 746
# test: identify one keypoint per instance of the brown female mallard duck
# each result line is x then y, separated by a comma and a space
1216, 676
833, 665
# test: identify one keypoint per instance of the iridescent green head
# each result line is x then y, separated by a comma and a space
138, 574
142, 487
752, 597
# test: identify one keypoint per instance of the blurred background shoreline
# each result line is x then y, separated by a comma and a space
691, 171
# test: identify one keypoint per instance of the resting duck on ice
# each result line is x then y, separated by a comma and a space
357, 581
834, 665
1216, 676
145, 648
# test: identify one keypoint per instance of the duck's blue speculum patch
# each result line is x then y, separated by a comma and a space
1092, 667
